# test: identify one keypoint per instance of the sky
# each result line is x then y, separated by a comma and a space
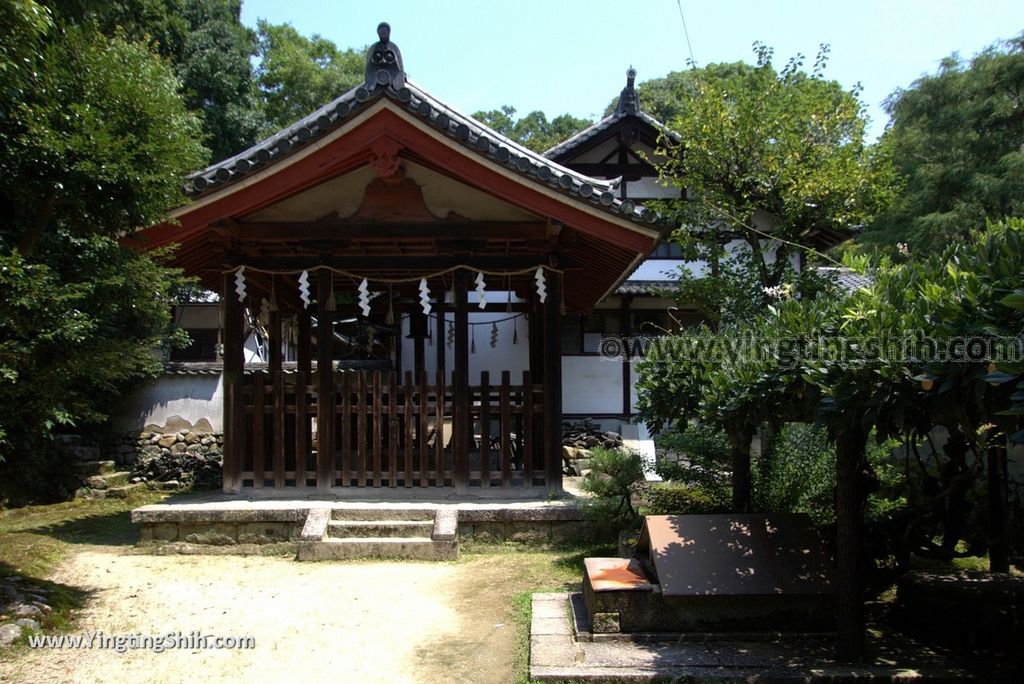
568, 56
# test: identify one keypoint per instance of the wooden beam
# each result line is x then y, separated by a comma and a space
233, 368
325, 383
414, 265
462, 423
553, 383
288, 231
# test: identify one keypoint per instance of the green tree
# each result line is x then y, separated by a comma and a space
770, 158
533, 131
667, 97
955, 140
209, 48
94, 142
297, 74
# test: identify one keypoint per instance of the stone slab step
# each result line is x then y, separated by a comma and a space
90, 468
369, 513
108, 480
380, 528
123, 491
403, 548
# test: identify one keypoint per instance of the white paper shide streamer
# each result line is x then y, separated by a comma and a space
364, 297
304, 289
481, 291
424, 296
542, 287
240, 283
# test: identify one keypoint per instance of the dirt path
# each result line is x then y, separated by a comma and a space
339, 622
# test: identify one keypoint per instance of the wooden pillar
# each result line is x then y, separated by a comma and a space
461, 424
535, 340
552, 353
234, 363
440, 337
418, 323
625, 333
277, 379
303, 373
325, 382
850, 496
304, 352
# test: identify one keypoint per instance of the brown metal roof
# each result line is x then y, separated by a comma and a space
735, 555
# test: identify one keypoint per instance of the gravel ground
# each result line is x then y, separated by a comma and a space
339, 622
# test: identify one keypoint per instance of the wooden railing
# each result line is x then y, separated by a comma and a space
391, 431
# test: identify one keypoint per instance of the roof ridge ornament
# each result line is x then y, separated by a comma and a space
629, 101
384, 62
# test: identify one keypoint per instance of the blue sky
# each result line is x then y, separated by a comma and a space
568, 56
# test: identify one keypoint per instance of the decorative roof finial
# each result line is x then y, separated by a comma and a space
629, 101
384, 62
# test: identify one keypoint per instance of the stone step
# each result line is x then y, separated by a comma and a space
123, 491
380, 528
90, 468
108, 480
366, 514
399, 548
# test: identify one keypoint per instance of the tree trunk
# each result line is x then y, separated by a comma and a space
740, 439
28, 240
998, 510
850, 445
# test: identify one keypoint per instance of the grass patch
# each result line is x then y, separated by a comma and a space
35, 539
550, 569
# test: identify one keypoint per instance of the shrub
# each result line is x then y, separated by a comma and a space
677, 498
798, 475
704, 460
613, 477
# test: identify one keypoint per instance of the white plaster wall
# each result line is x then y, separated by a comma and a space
591, 384
190, 397
505, 356
650, 188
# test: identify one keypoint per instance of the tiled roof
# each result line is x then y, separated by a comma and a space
654, 288
471, 134
846, 278
603, 125
627, 108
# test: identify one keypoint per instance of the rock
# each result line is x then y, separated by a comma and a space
96, 482
568, 453
591, 441
167, 440
8, 633
28, 623
180, 436
170, 485
207, 441
27, 610
178, 447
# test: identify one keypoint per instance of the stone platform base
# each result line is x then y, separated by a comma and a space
558, 653
220, 524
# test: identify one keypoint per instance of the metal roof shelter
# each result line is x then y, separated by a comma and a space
715, 573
